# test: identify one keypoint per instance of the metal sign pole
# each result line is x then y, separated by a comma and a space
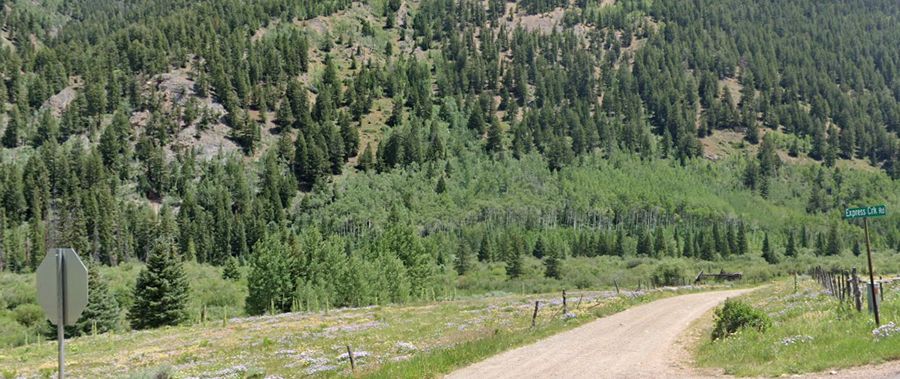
62, 288
61, 322
871, 274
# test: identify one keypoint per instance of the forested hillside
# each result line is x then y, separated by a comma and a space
362, 152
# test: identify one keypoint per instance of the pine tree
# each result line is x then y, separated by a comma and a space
791, 249
463, 259
707, 246
114, 144
644, 246
366, 160
476, 121
13, 132
494, 137
102, 312
486, 251
284, 116
820, 244
769, 162
514, 262
769, 253
752, 133
718, 240
804, 236
38, 238
620, 243
856, 249
660, 244
834, 242
538, 251
161, 291
231, 270
349, 134
396, 117
552, 266
441, 186
742, 242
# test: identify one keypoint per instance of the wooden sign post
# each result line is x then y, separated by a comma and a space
865, 213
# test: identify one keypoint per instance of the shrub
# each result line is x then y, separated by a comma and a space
13, 332
154, 373
735, 315
29, 314
668, 274
17, 290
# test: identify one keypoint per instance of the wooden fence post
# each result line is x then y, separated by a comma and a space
350, 355
616, 282
534, 315
849, 286
565, 307
842, 280
857, 292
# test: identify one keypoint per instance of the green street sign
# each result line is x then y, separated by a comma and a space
865, 212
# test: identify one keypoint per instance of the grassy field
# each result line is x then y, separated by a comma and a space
391, 341
811, 332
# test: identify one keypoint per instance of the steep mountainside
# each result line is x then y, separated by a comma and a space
382, 143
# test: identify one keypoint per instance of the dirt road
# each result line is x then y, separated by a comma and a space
636, 343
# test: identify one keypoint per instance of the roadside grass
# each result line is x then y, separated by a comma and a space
811, 332
388, 341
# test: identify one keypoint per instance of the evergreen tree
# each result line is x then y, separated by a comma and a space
463, 261
645, 245
768, 252
494, 137
486, 251
476, 121
820, 244
752, 132
769, 162
659, 245
719, 240
856, 249
834, 242
791, 249
539, 249
396, 117
804, 236
514, 261
707, 246
742, 242
552, 265
366, 160
12, 135
38, 246
102, 312
441, 186
161, 291
114, 144
349, 135
688, 248
620, 243
231, 271
284, 116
